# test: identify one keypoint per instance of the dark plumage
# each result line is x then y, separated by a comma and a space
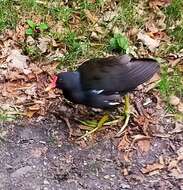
100, 82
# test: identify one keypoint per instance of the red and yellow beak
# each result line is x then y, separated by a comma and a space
52, 85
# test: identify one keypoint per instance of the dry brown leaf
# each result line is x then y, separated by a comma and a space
125, 172
50, 69
124, 144
30, 114
90, 16
151, 27
38, 152
109, 15
180, 107
173, 164
43, 44
151, 43
178, 128
95, 36
18, 61
30, 40
35, 69
15, 75
175, 173
174, 100
174, 62
152, 167
180, 153
144, 145
35, 107
19, 35
159, 3
180, 67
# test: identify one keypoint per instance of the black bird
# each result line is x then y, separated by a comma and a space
100, 82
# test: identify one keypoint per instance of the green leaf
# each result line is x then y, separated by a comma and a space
122, 42
29, 31
113, 43
31, 24
119, 43
43, 26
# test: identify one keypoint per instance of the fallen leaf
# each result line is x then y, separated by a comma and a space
124, 144
174, 100
180, 67
151, 43
151, 27
15, 75
159, 3
30, 114
30, 40
175, 173
180, 107
180, 152
43, 44
18, 61
90, 16
152, 167
31, 90
35, 69
174, 62
144, 145
95, 36
38, 152
35, 107
109, 15
178, 128
125, 172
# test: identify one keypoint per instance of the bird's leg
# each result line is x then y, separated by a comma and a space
127, 115
100, 123
98, 126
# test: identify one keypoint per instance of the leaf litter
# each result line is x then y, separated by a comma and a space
20, 77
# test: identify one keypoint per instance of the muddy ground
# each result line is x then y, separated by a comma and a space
38, 154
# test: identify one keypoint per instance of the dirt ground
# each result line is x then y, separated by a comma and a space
38, 155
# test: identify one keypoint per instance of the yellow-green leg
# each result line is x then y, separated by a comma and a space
127, 116
98, 126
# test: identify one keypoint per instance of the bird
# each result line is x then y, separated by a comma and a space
101, 82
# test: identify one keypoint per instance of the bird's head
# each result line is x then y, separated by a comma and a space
63, 80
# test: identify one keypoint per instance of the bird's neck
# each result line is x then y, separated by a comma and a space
74, 93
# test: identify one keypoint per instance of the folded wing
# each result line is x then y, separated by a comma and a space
116, 74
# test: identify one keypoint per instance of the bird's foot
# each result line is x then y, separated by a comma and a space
127, 116
95, 126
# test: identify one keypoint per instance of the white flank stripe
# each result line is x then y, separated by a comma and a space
97, 91
113, 103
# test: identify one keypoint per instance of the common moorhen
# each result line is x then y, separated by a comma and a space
100, 82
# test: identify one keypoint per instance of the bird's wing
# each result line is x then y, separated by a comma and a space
116, 74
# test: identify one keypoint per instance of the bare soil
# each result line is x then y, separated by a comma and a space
38, 154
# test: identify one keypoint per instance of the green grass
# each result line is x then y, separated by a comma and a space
170, 84
174, 11
8, 15
129, 15
174, 21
